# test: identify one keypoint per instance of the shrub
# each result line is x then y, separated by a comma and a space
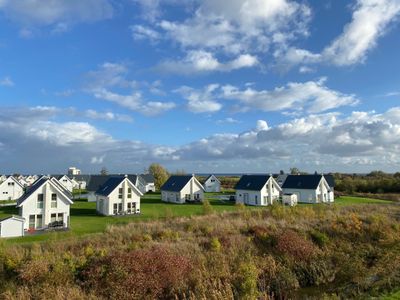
246, 281
207, 208
290, 242
319, 238
139, 274
215, 244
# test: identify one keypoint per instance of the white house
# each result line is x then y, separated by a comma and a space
2, 178
30, 179
149, 182
66, 182
308, 188
11, 189
118, 196
22, 181
257, 190
12, 226
45, 206
289, 199
73, 171
212, 184
182, 188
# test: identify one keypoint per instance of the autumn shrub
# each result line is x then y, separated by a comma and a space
141, 274
319, 238
246, 280
291, 243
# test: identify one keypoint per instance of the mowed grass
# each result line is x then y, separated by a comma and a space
85, 220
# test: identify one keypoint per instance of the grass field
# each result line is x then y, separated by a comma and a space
85, 220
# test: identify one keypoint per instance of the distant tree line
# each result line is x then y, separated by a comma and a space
376, 182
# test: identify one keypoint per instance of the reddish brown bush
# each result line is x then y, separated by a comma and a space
290, 242
140, 274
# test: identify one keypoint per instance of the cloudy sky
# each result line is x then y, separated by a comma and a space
204, 86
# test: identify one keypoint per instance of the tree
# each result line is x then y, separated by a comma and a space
159, 173
294, 171
104, 171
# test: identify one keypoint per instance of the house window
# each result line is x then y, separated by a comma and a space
53, 200
31, 221
129, 193
120, 191
53, 218
119, 207
256, 199
40, 201
39, 221
115, 208
212, 180
131, 207
60, 217
187, 197
11, 183
197, 196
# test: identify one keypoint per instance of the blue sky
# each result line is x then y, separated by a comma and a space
253, 86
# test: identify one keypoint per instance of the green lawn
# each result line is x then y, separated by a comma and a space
394, 296
84, 219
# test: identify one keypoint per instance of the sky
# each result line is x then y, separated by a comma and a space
251, 86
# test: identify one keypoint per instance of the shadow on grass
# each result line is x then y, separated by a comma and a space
83, 212
10, 210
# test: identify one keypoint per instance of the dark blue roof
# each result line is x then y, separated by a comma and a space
149, 178
252, 182
38, 183
307, 182
330, 179
176, 183
110, 185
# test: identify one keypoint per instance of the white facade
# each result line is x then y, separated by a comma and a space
73, 171
289, 199
212, 185
31, 179
192, 191
10, 189
150, 187
267, 195
12, 227
67, 183
124, 199
47, 205
322, 194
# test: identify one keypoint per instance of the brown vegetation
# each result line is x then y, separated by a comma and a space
276, 253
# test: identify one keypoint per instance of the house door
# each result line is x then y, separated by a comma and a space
245, 197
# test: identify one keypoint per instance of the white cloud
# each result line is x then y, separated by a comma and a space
141, 32
200, 101
228, 120
109, 77
370, 21
203, 61
361, 141
239, 26
311, 96
56, 12
7, 81
107, 116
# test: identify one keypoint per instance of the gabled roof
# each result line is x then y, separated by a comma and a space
19, 218
14, 179
61, 187
306, 182
95, 182
330, 179
111, 184
149, 178
175, 183
37, 184
209, 176
252, 182
34, 187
